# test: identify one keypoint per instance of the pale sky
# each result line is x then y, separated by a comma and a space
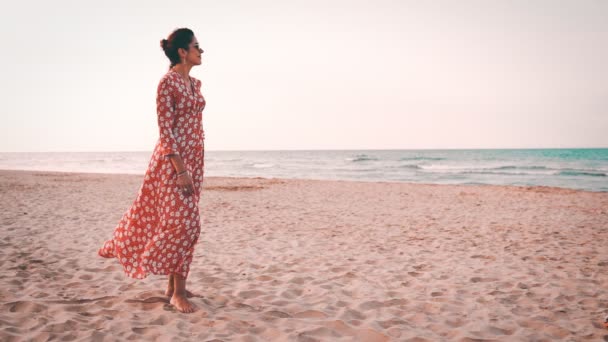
378, 74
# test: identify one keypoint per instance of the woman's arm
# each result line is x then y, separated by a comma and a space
165, 110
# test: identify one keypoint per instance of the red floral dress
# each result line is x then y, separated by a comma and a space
158, 232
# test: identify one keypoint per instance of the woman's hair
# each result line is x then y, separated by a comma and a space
180, 38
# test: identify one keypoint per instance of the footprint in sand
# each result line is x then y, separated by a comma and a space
147, 333
371, 305
371, 336
485, 257
239, 327
501, 331
24, 307
40, 295
340, 327
313, 335
391, 322
280, 302
300, 280
367, 335
455, 322
396, 302
341, 303
314, 314
68, 325
264, 278
276, 313
244, 306
151, 303
160, 320
291, 293
350, 314
216, 302
251, 294
482, 280
210, 279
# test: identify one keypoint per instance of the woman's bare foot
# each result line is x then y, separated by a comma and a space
178, 298
171, 289
182, 304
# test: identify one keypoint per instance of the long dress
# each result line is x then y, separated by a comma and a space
157, 234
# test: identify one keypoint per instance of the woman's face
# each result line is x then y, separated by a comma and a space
193, 55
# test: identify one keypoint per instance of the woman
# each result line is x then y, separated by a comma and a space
158, 232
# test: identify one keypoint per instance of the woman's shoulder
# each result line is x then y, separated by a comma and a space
169, 79
169, 76
196, 81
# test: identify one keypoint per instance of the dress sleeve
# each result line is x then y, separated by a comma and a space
165, 110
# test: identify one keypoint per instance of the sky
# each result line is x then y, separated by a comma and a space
307, 75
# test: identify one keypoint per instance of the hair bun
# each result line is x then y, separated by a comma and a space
163, 44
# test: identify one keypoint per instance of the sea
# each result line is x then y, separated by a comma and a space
584, 169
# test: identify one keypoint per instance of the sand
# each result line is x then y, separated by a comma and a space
307, 260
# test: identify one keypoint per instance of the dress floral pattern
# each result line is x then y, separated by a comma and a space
157, 234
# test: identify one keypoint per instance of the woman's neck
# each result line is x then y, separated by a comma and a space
183, 69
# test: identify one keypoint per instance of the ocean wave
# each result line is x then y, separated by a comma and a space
360, 158
558, 173
488, 169
581, 173
498, 173
410, 166
421, 158
513, 167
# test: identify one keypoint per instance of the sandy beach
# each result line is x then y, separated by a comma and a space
308, 260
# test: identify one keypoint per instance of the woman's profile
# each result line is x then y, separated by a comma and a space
158, 233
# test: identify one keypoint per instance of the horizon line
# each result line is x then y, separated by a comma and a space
333, 149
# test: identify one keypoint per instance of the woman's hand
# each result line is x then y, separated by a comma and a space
184, 180
185, 183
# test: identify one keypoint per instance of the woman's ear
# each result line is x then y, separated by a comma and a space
182, 53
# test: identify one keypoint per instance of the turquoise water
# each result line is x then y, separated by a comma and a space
585, 169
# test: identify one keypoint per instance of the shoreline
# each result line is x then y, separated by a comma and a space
519, 187
311, 260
